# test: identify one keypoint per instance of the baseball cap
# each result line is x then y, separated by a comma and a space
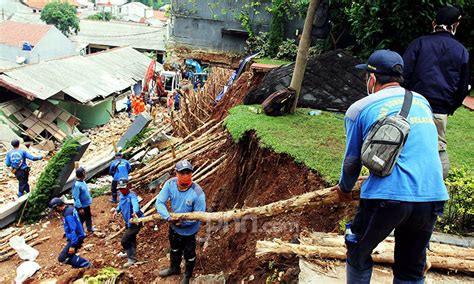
448, 15
384, 62
55, 202
122, 183
183, 165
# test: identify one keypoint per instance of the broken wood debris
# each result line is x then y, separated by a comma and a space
33, 243
331, 246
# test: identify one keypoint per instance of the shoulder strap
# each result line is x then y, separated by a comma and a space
407, 100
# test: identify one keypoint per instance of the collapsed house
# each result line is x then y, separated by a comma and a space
51, 98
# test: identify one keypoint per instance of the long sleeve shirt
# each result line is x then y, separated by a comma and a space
16, 159
128, 204
417, 175
81, 194
437, 67
191, 200
72, 225
119, 169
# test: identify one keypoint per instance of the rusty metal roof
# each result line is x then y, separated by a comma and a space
83, 78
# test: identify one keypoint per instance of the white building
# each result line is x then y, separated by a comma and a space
135, 10
32, 43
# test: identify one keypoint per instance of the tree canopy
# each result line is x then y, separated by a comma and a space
62, 16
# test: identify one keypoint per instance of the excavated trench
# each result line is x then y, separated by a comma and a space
254, 176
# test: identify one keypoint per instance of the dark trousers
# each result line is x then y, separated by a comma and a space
72, 259
129, 240
413, 223
183, 245
22, 177
114, 190
87, 218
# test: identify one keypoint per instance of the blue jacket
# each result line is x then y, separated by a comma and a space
16, 159
437, 67
417, 175
128, 204
81, 194
191, 200
72, 226
119, 168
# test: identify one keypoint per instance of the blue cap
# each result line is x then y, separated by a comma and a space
183, 165
384, 62
122, 183
55, 202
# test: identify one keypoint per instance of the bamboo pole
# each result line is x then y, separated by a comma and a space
197, 175
14, 233
276, 208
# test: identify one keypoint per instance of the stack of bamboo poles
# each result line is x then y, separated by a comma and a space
331, 246
211, 138
196, 105
30, 236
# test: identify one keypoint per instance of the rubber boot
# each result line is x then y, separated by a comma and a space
355, 276
188, 273
78, 262
175, 262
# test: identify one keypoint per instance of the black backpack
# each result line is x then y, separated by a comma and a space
280, 102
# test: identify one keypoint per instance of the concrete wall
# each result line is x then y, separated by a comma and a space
90, 116
203, 24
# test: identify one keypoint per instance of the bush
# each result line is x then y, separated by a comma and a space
258, 43
107, 16
459, 210
48, 180
287, 50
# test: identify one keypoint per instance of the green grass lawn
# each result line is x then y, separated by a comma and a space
316, 141
460, 136
319, 141
267, 60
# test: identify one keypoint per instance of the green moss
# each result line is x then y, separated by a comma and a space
105, 275
267, 60
49, 180
316, 141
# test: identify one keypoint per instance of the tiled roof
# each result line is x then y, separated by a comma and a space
160, 15
39, 4
15, 33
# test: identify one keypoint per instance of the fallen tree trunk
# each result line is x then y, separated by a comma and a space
293, 204
379, 256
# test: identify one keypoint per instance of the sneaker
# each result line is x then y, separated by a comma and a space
122, 254
129, 263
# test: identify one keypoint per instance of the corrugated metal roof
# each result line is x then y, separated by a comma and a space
83, 78
121, 34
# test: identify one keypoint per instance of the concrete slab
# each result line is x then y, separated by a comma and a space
138, 125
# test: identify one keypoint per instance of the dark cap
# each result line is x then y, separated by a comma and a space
122, 183
448, 15
55, 202
118, 154
384, 62
183, 165
15, 143
80, 172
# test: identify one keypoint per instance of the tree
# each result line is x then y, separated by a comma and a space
303, 49
62, 16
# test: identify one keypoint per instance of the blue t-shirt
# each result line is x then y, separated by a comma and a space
81, 194
16, 159
72, 225
128, 204
120, 168
417, 175
191, 200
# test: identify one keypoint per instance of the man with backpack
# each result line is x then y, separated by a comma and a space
82, 199
119, 169
409, 197
74, 234
437, 67
129, 208
185, 196
16, 159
